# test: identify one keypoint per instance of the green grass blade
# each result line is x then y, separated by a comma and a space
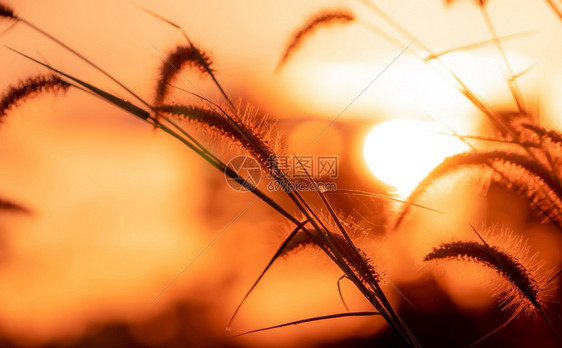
121, 103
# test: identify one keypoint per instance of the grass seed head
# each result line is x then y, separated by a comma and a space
523, 289
6, 205
178, 59
513, 169
28, 88
254, 134
7, 12
354, 257
323, 18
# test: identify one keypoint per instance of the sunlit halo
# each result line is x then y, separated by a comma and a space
402, 152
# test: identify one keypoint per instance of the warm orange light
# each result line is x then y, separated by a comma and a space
402, 152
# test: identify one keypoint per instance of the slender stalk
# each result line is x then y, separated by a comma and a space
511, 82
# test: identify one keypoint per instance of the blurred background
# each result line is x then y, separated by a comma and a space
120, 210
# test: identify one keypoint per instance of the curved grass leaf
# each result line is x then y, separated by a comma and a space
280, 252
308, 320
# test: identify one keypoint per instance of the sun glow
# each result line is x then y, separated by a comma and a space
402, 152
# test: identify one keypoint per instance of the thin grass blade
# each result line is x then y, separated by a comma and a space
278, 254
308, 320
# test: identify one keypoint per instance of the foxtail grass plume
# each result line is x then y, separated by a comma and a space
515, 171
29, 88
525, 290
178, 59
321, 19
7, 205
254, 134
530, 132
352, 256
524, 159
7, 12
543, 133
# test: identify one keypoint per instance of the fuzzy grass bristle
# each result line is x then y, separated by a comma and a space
543, 197
6, 205
299, 239
7, 12
527, 131
302, 241
351, 255
253, 134
178, 59
321, 19
28, 88
543, 133
513, 170
366, 266
525, 289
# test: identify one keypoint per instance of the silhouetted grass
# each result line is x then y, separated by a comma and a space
524, 163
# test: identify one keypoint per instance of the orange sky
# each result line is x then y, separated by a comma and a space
119, 207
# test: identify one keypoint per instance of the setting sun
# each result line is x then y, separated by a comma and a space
402, 152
